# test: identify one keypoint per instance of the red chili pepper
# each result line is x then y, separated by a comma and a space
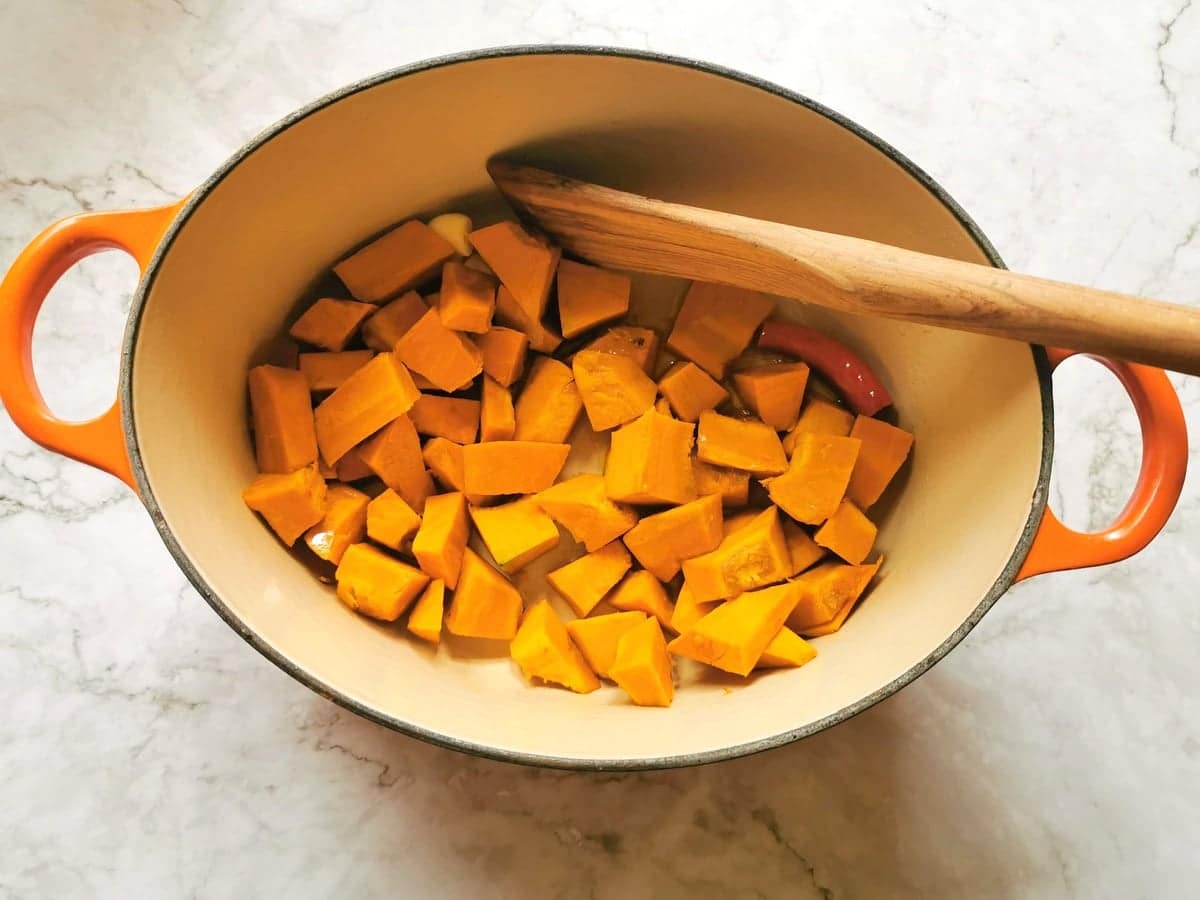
833, 359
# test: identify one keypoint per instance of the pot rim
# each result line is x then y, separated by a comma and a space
330, 692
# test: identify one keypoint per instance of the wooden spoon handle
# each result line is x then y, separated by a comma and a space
627, 231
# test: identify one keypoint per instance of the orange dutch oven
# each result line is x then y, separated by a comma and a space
223, 269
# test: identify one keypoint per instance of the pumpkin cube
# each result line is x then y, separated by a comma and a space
749, 557
391, 521
373, 396
512, 467
640, 344
745, 444
786, 650
330, 323
803, 550
848, 533
816, 478
662, 542
884, 449
549, 404
581, 506
690, 391
498, 420
290, 503
510, 313
597, 638
425, 620
392, 321
515, 533
467, 299
731, 485
824, 592
589, 296
734, 635
280, 408
614, 388
688, 610
642, 667
716, 323
343, 522
503, 351
448, 359
649, 461
394, 454
485, 604
583, 582
523, 262
819, 417
774, 392
454, 418
642, 591
403, 258
441, 540
544, 649
373, 583
327, 371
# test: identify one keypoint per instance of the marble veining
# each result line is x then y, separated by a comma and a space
146, 751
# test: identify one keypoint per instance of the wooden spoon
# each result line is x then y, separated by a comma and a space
627, 231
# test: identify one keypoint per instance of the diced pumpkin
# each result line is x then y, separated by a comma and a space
663, 408
376, 394
403, 258
819, 417
290, 503
343, 522
503, 351
884, 449
839, 619
509, 312
640, 590
497, 417
662, 542
330, 323
425, 620
745, 444
523, 262
281, 410
351, 467
583, 582
614, 388
752, 556
512, 467
544, 649
454, 227
802, 549
731, 485
581, 506
649, 461
454, 418
689, 610
786, 650
642, 667
848, 533
515, 533
394, 454
448, 359
640, 344
716, 323
445, 460
549, 404
391, 521
467, 300
774, 392
485, 604
442, 537
392, 321
816, 478
597, 638
375, 584
327, 371
823, 591
734, 635
690, 390
589, 296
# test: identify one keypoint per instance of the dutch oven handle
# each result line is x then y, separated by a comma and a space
99, 442
1160, 481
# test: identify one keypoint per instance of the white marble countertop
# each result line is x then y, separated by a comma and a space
145, 750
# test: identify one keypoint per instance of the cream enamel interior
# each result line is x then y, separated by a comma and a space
418, 143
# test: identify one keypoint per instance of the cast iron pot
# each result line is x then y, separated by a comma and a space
222, 271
